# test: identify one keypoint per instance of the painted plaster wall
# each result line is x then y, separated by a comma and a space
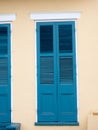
24, 58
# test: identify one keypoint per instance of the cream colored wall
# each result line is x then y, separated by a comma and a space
24, 57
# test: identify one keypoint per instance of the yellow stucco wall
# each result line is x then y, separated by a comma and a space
24, 58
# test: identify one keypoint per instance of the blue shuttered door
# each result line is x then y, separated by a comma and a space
5, 115
47, 101
67, 73
56, 72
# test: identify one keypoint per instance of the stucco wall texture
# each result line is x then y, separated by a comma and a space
23, 58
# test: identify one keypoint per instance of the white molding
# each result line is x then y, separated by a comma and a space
55, 16
11, 53
7, 17
45, 17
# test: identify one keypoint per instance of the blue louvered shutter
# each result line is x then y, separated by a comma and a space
5, 73
67, 73
46, 84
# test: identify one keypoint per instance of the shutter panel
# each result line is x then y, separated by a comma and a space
65, 36
67, 74
3, 71
4, 74
46, 85
67, 106
46, 70
66, 70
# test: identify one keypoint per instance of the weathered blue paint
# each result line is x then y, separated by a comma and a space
5, 74
57, 99
13, 126
10, 126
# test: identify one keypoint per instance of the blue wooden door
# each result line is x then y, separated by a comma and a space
47, 101
56, 71
66, 72
5, 106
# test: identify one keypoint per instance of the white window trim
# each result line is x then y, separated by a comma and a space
55, 16
50, 17
7, 17
4, 19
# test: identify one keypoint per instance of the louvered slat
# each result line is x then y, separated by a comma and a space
46, 70
3, 71
66, 70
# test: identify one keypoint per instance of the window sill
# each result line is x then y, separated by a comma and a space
56, 124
